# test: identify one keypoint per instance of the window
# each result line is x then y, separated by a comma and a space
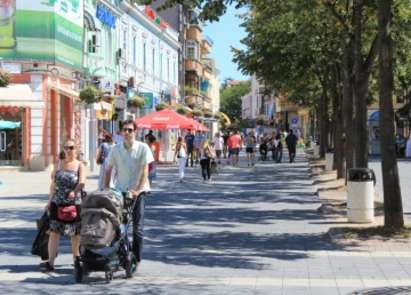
124, 40
174, 71
134, 50
191, 49
153, 58
144, 56
161, 67
92, 42
109, 46
168, 69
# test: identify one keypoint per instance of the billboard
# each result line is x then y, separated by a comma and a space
42, 30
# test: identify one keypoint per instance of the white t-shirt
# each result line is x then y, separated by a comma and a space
129, 165
218, 143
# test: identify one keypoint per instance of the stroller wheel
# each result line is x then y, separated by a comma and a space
78, 273
130, 265
109, 276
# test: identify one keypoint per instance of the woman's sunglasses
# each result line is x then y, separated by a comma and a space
129, 130
71, 147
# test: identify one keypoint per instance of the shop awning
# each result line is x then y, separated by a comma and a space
225, 117
19, 95
104, 110
65, 91
9, 124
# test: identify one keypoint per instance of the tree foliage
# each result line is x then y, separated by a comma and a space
230, 98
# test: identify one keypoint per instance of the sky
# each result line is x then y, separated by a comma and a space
226, 33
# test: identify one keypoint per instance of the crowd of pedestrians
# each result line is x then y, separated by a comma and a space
128, 166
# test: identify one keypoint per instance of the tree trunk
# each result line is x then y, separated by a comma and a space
337, 123
360, 90
323, 118
393, 212
348, 109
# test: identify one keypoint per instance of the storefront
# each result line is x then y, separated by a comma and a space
16, 106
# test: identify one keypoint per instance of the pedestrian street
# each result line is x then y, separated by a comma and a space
250, 231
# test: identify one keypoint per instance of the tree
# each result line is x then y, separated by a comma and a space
230, 98
393, 212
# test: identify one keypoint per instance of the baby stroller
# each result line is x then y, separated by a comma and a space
105, 245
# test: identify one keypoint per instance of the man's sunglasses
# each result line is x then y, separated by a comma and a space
71, 147
129, 130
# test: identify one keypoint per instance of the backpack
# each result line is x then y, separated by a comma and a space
100, 219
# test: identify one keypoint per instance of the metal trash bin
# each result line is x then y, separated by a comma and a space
360, 195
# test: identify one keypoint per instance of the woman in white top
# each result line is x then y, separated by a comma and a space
181, 155
218, 141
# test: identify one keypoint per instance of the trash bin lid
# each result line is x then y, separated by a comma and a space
361, 174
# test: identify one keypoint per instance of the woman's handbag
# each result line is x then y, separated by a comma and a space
40, 243
67, 213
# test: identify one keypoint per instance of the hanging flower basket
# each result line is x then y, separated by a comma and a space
136, 102
197, 112
207, 113
4, 79
182, 110
90, 95
161, 106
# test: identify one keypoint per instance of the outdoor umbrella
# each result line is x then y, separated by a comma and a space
165, 119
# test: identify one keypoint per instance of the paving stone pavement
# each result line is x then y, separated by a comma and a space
250, 231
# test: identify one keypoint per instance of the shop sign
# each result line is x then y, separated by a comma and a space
295, 121
105, 16
50, 31
149, 99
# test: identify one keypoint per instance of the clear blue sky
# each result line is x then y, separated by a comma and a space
226, 33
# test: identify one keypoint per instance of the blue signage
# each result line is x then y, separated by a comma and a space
105, 16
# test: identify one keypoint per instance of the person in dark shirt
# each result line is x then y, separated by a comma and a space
150, 137
189, 139
291, 141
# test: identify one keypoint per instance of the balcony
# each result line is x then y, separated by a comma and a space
194, 33
194, 100
194, 66
206, 46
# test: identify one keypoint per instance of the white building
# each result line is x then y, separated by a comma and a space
149, 55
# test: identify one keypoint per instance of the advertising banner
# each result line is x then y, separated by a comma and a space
149, 98
43, 30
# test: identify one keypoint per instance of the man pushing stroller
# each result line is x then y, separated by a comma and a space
130, 160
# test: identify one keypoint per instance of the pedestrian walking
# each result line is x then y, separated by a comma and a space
189, 139
250, 146
291, 141
152, 167
225, 148
218, 141
263, 148
207, 154
65, 194
198, 144
234, 145
272, 146
101, 158
181, 156
131, 161
278, 148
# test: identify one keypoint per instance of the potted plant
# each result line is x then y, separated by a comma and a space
4, 78
136, 102
182, 110
90, 94
161, 106
189, 90
207, 113
197, 112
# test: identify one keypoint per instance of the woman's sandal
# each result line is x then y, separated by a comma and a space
46, 266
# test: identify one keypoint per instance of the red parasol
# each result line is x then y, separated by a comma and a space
164, 119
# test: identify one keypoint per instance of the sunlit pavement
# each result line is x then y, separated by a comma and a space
249, 231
